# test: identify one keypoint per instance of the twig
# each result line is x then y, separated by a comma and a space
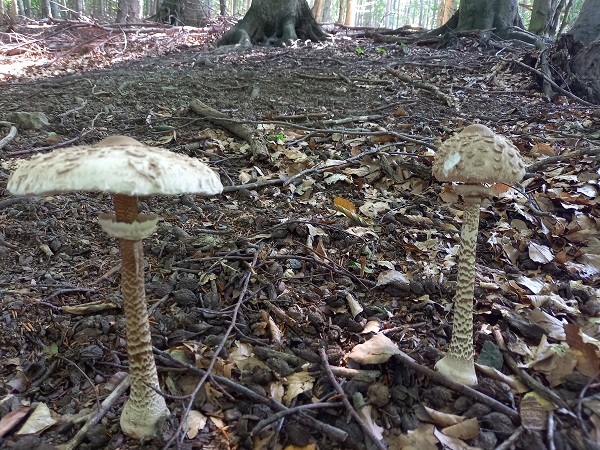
80, 370
180, 433
281, 414
98, 415
511, 439
257, 144
366, 429
461, 388
549, 80
67, 291
12, 133
538, 165
524, 376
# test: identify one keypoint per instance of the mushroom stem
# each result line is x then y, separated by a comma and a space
458, 362
145, 406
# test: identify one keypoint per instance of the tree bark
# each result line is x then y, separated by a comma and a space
274, 22
317, 10
129, 11
586, 28
446, 9
501, 16
350, 12
585, 51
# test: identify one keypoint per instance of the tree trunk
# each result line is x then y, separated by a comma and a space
129, 11
587, 25
326, 16
585, 53
500, 15
223, 7
274, 22
46, 10
317, 10
388, 13
350, 7
14, 11
341, 12
543, 15
565, 20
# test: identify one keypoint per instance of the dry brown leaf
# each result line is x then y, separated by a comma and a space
421, 438
468, 429
377, 350
588, 362
438, 418
10, 420
40, 419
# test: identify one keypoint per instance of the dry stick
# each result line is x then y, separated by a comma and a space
531, 382
180, 433
511, 439
257, 144
330, 431
549, 80
83, 133
419, 84
536, 166
366, 429
98, 415
12, 133
461, 388
281, 414
349, 131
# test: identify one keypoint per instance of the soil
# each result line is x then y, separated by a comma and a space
307, 274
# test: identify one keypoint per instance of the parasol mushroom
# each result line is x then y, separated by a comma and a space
477, 158
126, 168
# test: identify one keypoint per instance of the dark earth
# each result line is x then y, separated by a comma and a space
277, 244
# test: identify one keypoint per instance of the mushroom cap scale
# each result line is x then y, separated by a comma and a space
118, 165
478, 155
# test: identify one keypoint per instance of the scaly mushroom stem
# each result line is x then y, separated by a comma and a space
458, 362
145, 406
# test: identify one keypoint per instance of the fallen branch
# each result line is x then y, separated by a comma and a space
257, 144
549, 80
98, 415
457, 387
366, 429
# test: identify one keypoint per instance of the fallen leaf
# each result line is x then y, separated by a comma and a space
196, 421
297, 383
39, 420
10, 420
377, 350
467, 429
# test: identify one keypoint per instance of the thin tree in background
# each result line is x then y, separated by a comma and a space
388, 13
565, 20
317, 10
14, 12
445, 10
543, 15
350, 8
129, 11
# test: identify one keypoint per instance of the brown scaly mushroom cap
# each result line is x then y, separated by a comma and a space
119, 165
478, 155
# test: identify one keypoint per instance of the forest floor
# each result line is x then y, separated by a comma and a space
351, 120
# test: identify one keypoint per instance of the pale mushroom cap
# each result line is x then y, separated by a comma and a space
119, 165
478, 155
